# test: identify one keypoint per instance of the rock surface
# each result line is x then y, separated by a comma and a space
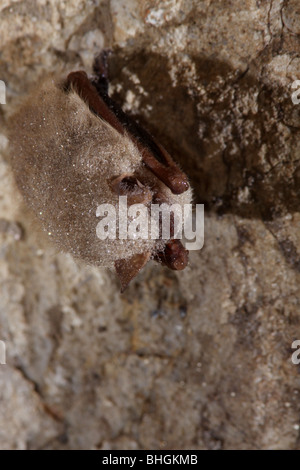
199, 359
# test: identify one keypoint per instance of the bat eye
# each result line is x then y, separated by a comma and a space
130, 186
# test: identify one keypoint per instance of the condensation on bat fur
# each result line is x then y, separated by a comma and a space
63, 157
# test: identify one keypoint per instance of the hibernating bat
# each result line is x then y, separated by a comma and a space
72, 149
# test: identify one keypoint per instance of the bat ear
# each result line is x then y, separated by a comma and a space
130, 186
127, 269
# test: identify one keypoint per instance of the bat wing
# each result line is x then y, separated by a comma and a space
127, 269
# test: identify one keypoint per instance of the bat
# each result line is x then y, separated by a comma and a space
73, 149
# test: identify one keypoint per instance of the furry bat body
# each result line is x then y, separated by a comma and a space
72, 149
